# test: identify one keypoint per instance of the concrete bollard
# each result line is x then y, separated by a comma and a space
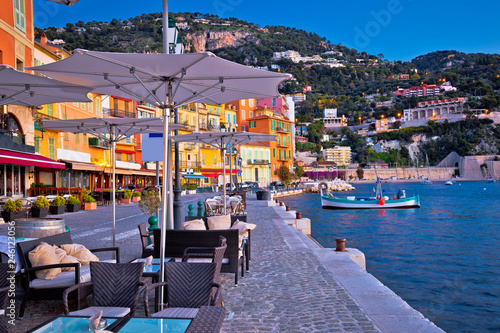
340, 245
282, 203
298, 215
287, 208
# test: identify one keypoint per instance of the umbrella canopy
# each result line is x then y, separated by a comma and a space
184, 78
20, 88
66, 2
224, 141
114, 130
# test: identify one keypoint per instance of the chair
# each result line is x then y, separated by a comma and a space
209, 211
237, 208
214, 253
99, 197
188, 287
107, 197
4, 292
115, 288
147, 247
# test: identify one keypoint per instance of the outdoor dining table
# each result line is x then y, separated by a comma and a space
209, 319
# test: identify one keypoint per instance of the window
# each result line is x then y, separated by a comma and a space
289, 154
52, 149
19, 18
228, 118
49, 109
215, 159
243, 128
118, 156
242, 114
250, 102
250, 114
217, 110
75, 103
19, 65
82, 106
66, 136
91, 103
243, 102
77, 138
37, 144
97, 106
234, 119
274, 101
274, 152
279, 152
85, 141
210, 109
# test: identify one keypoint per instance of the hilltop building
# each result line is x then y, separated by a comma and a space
339, 154
419, 91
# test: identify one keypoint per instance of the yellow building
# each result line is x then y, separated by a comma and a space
340, 155
256, 161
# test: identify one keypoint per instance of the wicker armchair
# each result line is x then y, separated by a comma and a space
147, 249
237, 208
209, 211
188, 287
4, 292
214, 253
115, 288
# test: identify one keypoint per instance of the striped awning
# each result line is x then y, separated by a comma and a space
17, 158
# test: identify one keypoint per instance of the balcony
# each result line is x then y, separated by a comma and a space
282, 129
203, 126
189, 146
283, 145
188, 127
213, 127
257, 162
98, 143
189, 164
282, 159
118, 113
39, 116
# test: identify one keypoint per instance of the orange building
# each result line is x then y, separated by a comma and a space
267, 122
245, 109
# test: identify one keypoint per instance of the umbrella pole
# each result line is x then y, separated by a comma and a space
113, 163
224, 178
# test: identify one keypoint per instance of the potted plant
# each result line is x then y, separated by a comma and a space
184, 188
127, 196
73, 204
191, 188
57, 206
149, 204
136, 196
90, 203
13, 210
40, 207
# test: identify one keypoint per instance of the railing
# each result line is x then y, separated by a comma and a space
189, 146
203, 126
189, 164
128, 141
213, 127
258, 162
282, 129
98, 143
16, 137
187, 126
283, 144
118, 113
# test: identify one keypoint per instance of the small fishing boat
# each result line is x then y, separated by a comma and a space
448, 182
378, 202
491, 180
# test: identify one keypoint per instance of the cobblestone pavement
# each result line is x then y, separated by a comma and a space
284, 291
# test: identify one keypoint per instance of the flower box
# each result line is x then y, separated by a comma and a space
11, 216
39, 212
126, 201
90, 205
73, 208
56, 210
136, 199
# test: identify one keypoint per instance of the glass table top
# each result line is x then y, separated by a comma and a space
155, 325
70, 325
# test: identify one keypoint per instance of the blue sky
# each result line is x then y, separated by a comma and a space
399, 29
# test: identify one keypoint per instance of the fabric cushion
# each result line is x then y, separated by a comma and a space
177, 313
63, 280
64, 258
194, 225
243, 227
80, 252
42, 255
219, 222
107, 311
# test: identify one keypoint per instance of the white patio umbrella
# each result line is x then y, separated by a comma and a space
113, 130
167, 81
224, 141
20, 88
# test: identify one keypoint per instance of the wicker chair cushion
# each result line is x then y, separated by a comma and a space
243, 227
219, 222
177, 313
44, 254
64, 258
80, 252
106, 311
63, 280
194, 225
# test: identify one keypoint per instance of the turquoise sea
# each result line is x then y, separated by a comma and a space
443, 259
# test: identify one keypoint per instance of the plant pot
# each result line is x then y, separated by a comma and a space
136, 199
11, 216
90, 205
73, 208
56, 210
126, 201
39, 212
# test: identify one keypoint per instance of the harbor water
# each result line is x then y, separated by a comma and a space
443, 258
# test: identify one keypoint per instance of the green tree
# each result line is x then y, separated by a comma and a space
360, 172
284, 175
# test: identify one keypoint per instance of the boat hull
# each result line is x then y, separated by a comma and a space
342, 203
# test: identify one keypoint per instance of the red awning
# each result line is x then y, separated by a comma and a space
210, 175
16, 158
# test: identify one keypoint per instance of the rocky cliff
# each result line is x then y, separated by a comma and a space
212, 40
